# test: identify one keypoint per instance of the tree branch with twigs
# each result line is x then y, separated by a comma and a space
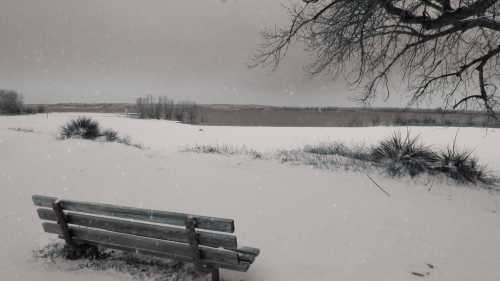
448, 48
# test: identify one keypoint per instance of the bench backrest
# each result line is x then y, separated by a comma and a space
148, 231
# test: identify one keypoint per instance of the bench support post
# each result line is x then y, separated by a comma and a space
195, 251
193, 241
73, 250
215, 274
63, 224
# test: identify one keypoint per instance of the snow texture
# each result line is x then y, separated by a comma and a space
310, 224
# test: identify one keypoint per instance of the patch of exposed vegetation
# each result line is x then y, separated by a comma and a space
463, 167
399, 155
357, 152
88, 128
139, 267
224, 150
23, 130
81, 127
403, 154
406, 155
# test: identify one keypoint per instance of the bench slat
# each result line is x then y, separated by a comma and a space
247, 254
140, 243
142, 229
242, 266
43, 201
203, 222
249, 250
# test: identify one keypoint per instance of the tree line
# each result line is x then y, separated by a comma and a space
12, 103
149, 107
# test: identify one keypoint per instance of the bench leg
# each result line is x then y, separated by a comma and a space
215, 274
74, 252
193, 243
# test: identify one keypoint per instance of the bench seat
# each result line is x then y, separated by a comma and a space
207, 242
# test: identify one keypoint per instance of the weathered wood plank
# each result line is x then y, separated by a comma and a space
247, 254
147, 244
162, 232
241, 266
249, 250
173, 218
246, 257
47, 214
43, 201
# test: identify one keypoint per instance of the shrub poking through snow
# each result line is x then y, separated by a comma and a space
463, 167
110, 135
340, 149
87, 128
402, 154
224, 150
127, 141
82, 127
137, 266
399, 155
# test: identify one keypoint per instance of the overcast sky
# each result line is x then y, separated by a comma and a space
116, 50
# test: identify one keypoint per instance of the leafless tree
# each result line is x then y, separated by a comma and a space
149, 107
11, 102
448, 48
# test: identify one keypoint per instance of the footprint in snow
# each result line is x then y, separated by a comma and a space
423, 271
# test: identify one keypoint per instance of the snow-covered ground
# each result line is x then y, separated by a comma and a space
310, 224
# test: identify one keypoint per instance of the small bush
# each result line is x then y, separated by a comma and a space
398, 155
134, 266
87, 128
110, 135
225, 150
127, 141
357, 152
82, 127
463, 167
404, 155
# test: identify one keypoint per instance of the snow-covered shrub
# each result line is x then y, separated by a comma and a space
135, 265
110, 135
401, 154
463, 167
224, 150
87, 128
330, 161
127, 141
355, 152
82, 127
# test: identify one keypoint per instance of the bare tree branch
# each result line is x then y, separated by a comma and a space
437, 45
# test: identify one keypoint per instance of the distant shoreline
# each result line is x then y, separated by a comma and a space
262, 115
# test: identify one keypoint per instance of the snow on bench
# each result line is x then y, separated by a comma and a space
177, 236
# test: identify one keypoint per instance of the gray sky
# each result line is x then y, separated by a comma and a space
117, 50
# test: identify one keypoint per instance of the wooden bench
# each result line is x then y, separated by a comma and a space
177, 236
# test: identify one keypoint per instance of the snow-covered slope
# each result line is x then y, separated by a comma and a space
310, 224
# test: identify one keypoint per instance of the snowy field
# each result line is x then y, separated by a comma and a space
310, 224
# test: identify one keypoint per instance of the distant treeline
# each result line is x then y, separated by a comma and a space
150, 107
248, 115
12, 103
